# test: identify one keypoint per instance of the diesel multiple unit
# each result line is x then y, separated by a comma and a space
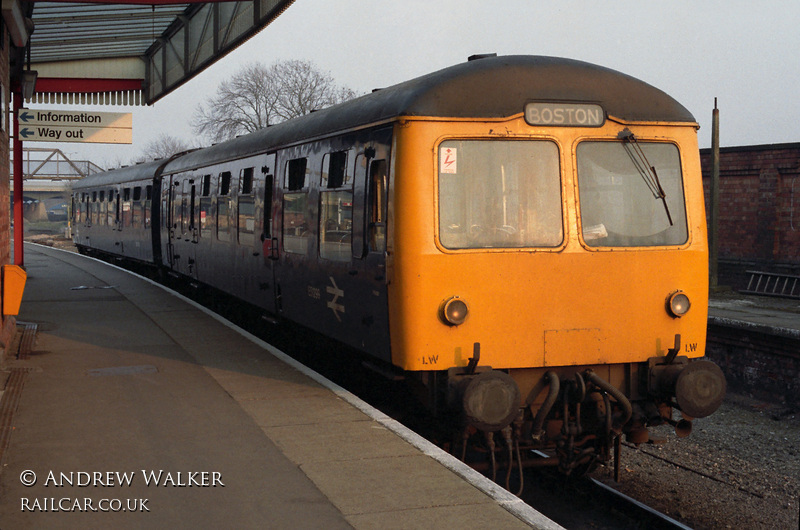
522, 237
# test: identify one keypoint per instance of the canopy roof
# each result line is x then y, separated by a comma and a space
131, 51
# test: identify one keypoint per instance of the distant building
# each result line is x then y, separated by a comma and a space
759, 209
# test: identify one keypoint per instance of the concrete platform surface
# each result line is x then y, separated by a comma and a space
765, 314
138, 409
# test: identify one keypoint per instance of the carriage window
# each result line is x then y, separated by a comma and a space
103, 211
247, 220
621, 206
296, 227
246, 181
499, 194
127, 213
148, 202
223, 224
336, 225
206, 214
334, 167
225, 183
112, 214
336, 209
137, 206
296, 174
102, 196
206, 185
93, 209
268, 182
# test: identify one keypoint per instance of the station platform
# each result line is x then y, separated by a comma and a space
765, 314
136, 408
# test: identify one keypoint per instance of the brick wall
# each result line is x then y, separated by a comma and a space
764, 365
759, 208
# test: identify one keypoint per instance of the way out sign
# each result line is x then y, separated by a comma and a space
41, 125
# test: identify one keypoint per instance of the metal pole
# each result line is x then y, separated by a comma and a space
19, 258
713, 237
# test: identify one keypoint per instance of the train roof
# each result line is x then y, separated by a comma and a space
121, 175
491, 87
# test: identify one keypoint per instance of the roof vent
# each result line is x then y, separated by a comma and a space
481, 56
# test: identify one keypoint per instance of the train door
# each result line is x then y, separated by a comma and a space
117, 205
170, 216
296, 233
167, 221
183, 232
372, 249
268, 240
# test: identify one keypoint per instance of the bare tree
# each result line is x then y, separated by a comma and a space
163, 146
259, 96
303, 88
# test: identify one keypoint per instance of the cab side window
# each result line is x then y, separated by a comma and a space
377, 205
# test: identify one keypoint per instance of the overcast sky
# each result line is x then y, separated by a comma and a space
744, 53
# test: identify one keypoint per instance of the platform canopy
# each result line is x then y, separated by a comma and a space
129, 52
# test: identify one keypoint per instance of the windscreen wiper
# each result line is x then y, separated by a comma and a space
647, 171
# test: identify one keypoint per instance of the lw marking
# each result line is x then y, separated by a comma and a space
692, 346
333, 304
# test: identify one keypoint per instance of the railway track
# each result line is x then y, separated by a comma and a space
587, 503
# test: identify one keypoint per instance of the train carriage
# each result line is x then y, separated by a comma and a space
524, 236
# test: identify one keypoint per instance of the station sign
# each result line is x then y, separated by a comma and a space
42, 125
565, 114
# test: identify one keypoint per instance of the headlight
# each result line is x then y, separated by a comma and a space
453, 311
678, 304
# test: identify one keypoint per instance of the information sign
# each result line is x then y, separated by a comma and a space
43, 125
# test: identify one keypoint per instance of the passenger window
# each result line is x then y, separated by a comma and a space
334, 168
148, 202
192, 209
127, 214
223, 207
268, 206
296, 174
223, 225
93, 209
247, 220
103, 215
296, 233
246, 181
137, 193
112, 216
336, 210
377, 208
225, 183
206, 186
246, 225
184, 206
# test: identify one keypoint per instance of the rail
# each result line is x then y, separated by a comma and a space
773, 284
